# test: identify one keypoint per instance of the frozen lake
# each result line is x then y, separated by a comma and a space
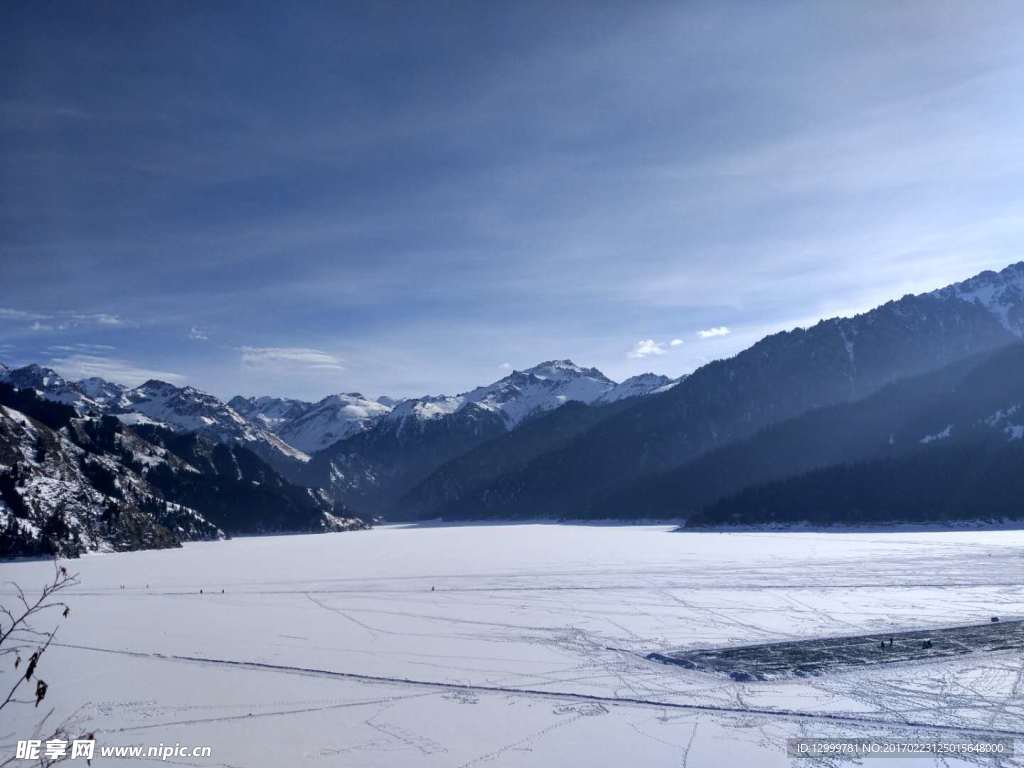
510, 644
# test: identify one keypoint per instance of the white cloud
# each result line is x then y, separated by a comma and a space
276, 357
675, 342
82, 366
81, 347
6, 313
646, 348
710, 333
62, 320
506, 366
198, 334
97, 318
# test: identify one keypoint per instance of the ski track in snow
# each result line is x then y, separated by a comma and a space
523, 645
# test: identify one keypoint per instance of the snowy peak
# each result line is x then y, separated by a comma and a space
272, 412
1001, 293
334, 418
49, 384
106, 393
566, 370
187, 409
427, 407
517, 396
156, 388
183, 409
636, 386
35, 377
312, 426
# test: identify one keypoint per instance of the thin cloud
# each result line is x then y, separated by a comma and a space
8, 313
646, 348
710, 333
675, 343
83, 366
63, 320
275, 357
81, 348
198, 334
97, 318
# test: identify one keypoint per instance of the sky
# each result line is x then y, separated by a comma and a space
406, 198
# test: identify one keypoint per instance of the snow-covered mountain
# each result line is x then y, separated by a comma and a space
1000, 293
47, 383
334, 418
71, 484
56, 497
271, 412
187, 409
517, 396
374, 467
105, 393
183, 409
311, 427
636, 386
293, 429
782, 376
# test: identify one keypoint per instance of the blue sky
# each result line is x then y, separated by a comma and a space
408, 198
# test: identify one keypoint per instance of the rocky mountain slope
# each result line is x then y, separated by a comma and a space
70, 484
57, 497
183, 409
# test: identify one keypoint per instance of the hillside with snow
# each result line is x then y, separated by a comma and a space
311, 427
530, 392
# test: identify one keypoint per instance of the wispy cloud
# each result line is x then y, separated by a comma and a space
82, 366
81, 347
506, 366
97, 318
675, 343
275, 357
198, 334
646, 348
710, 333
61, 321
7, 313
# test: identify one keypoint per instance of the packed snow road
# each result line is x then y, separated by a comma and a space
522, 645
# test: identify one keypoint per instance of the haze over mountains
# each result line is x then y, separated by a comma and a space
560, 440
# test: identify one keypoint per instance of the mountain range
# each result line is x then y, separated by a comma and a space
71, 484
560, 440
600, 471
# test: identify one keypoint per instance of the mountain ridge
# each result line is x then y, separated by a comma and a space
791, 372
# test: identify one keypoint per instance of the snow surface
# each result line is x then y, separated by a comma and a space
520, 645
